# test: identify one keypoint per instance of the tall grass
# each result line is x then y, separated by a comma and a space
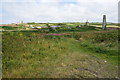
26, 54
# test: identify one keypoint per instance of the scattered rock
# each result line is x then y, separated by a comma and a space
105, 61
94, 72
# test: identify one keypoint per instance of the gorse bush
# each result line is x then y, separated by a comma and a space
97, 37
98, 42
94, 48
9, 28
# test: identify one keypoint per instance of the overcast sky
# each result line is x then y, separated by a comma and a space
12, 11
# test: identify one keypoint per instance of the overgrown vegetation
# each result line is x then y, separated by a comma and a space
9, 28
73, 55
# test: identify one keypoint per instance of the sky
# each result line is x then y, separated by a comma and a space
52, 11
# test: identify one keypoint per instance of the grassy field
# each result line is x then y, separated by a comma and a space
64, 26
86, 53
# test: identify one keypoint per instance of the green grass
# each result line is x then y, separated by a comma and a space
11, 28
70, 29
78, 55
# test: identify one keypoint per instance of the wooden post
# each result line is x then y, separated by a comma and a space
104, 22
